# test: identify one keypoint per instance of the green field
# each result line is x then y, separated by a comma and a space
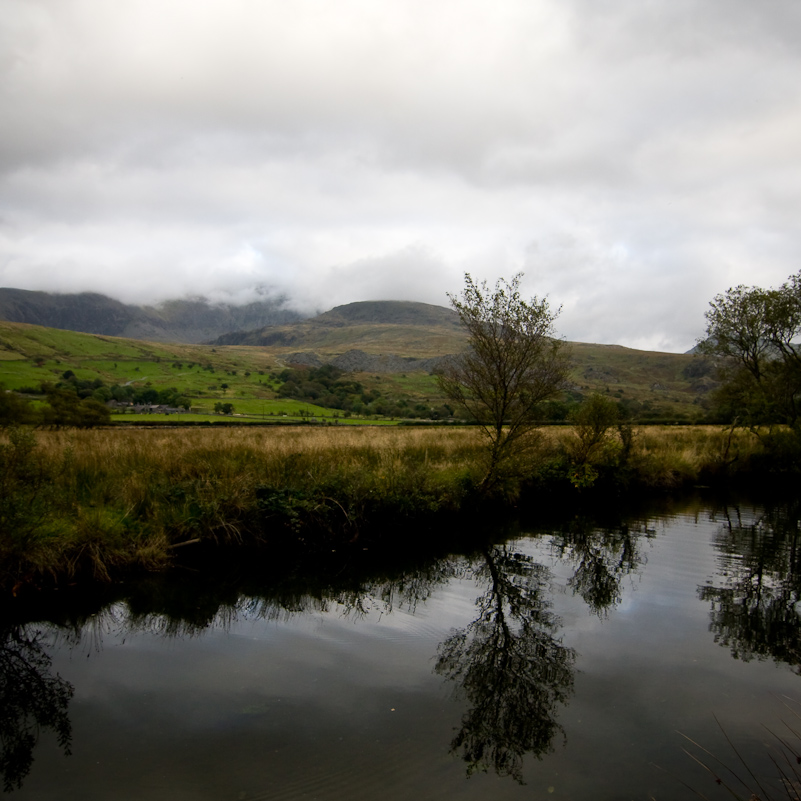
659, 385
30, 356
156, 418
240, 375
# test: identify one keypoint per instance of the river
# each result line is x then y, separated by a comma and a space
567, 660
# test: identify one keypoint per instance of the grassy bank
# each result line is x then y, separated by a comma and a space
94, 504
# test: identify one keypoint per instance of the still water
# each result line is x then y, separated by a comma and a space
560, 661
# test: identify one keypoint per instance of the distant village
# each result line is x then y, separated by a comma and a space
143, 408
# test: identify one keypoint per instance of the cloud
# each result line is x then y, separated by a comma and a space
634, 159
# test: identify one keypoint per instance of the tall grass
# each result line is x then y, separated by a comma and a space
740, 777
91, 502
669, 456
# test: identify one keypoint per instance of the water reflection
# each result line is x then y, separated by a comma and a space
602, 557
191, 604
510, 665
754, 609
31, 699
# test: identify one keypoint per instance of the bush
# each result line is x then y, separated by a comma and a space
14, 410
593, 421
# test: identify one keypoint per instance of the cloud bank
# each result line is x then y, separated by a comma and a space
633, 159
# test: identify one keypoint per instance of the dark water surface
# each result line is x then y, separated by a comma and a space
568, 658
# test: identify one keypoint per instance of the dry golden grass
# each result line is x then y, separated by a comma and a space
339, 445
107, 500
340, 448
668, 455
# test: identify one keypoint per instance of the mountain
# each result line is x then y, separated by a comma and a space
414, 330
87, 311
389, 312
188, 321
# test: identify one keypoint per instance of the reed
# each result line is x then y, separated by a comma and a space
740, 778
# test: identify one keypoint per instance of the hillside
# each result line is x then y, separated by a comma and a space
390, 312
390, 361
404, 328
189, 320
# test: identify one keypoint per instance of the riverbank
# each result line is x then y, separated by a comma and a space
96, 504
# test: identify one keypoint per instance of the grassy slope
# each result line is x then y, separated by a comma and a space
120, 361
375, 338
620, 372
636, 374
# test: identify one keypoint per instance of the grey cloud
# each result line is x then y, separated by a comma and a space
344, 151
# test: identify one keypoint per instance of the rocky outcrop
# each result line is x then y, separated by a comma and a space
357, 361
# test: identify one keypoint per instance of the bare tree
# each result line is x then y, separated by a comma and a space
513, 364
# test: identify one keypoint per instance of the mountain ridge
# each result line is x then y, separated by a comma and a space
403, 327
188, 321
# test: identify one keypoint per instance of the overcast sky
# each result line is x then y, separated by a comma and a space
633, 159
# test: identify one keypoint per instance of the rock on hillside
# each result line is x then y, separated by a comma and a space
357, 361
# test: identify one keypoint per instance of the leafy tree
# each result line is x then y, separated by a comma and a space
14, 410
65, 408
751, 332
122, 393
513, 364
147, 396
102, 394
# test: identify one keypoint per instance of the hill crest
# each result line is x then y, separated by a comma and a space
408, 328
388, 312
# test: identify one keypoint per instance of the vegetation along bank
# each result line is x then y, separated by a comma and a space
96, 504
79, 502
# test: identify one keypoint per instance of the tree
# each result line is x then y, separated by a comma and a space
512, 365
751, 332
65, 408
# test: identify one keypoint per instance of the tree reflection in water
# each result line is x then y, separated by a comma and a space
602, 558
754, 612
509, 663
31, 699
